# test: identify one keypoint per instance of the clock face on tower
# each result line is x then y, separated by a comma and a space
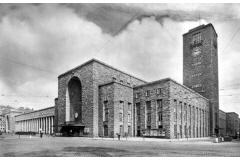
196, 51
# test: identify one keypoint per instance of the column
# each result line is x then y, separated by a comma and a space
52, 124
46, 125
37, 124
43, 125
49, 125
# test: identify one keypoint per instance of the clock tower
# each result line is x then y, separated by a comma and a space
200, 68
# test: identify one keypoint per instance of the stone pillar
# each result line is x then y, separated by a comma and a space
49, 125
52, 124
44, 125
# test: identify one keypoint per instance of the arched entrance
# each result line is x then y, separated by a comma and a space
73, 124
75, 99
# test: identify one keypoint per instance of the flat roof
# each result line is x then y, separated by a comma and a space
102, 63
36, 111
200, 27
169, 79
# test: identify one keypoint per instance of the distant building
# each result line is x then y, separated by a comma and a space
222, 122
10, 121
2, 123
232, 123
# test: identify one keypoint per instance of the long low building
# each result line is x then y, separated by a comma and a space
36, 121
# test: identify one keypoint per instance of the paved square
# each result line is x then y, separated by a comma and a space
12, 146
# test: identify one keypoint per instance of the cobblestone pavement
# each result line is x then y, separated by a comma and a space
11, 146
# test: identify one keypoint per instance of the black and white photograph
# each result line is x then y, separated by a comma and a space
125, 79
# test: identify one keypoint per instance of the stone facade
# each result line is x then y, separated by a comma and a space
232, 123
90, 74
36, 121
200, 67
168, 109
115, 109
222, 122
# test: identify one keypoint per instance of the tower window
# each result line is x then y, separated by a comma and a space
196, 38
159, 91
148, 93
137, 95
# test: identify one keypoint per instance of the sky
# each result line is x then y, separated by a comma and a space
38, 42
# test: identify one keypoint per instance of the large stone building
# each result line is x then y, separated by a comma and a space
81, 95
96, 99
200, 67
232, 123
2, 123
222, 123
168, 109
36, 121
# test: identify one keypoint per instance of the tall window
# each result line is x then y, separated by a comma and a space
159, 91
159, 104
148, 93
121, 111
180, 105
105, 110
120, 130
137, 95
160, 116
175, 110
129, 117
129, 107
148, 117
196, 38
129, 111
185, 112
129, 130
138, 112
120, 117
106, 115
148, 105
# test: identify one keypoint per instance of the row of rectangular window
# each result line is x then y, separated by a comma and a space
121, 80
147, 93
195, 64
121, 117
197, 86
197, 74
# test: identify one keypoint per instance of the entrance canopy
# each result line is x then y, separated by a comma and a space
71, 129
